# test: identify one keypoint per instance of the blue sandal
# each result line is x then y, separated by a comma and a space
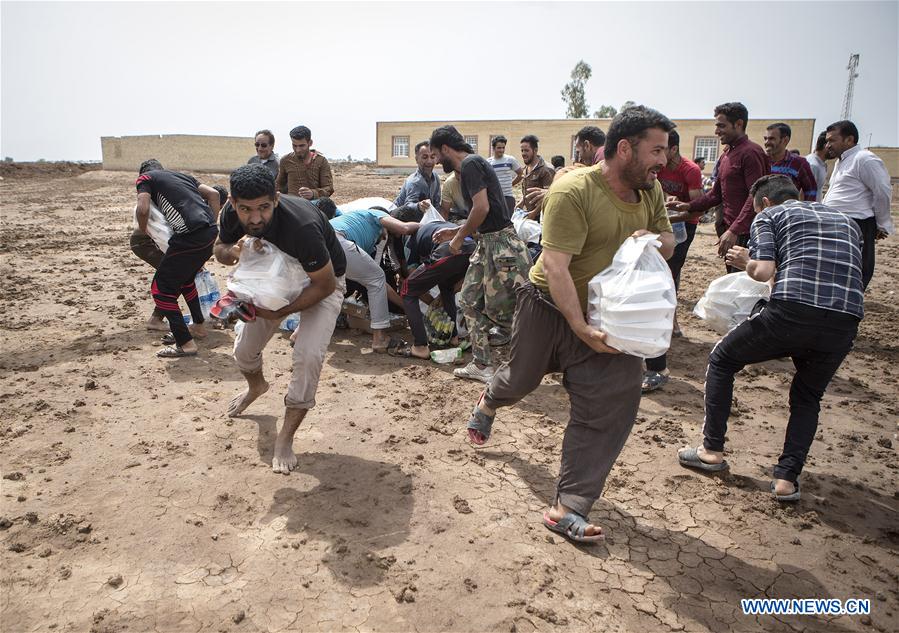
572, 526
479, 426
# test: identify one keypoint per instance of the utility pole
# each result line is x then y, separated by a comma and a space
850, 86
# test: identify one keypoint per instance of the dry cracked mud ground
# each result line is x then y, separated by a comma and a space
131, 503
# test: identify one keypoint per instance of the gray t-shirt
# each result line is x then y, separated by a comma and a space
270, 163
506, 169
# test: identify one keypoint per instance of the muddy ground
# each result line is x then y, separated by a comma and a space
131, 503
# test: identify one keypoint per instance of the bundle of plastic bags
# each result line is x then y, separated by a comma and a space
529, 231
729, 301
633, 300
157, 228
267, 276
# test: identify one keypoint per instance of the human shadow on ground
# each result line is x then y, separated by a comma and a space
708, 582
360, 507
268, 431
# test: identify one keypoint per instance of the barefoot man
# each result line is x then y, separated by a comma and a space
299, 229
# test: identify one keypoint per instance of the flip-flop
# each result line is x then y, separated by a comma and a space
690, 459
398, 347
652, 380
173, 351
572, 526
479, 426
793, 496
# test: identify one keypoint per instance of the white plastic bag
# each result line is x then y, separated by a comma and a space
729, 300
157, 228
431, 215
529, 231
633, 300
266, 276
364, 204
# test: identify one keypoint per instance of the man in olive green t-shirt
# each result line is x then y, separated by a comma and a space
588, 214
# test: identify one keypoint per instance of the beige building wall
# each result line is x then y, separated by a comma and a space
177, 151
890, 158
557, 135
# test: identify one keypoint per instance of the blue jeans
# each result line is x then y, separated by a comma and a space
816, 340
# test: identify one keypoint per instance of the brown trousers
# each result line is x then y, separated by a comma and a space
604, 391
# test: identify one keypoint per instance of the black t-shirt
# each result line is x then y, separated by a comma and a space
178, 197
478, 174
423, 249
298, 228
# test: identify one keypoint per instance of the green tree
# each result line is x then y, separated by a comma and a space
605, 112
573, 92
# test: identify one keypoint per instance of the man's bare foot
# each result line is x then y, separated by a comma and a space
705, 455
190, 347
246, 397
379, 342
158, 324
558, 511
198, 330
420, 351
784, 487
284, 459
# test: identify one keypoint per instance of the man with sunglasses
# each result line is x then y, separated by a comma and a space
265, 152
299, 229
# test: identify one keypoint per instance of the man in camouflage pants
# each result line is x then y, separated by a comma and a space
500, 262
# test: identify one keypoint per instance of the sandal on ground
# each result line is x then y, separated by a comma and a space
793, 496
652, 380
398, 347
690, 458
173, 351
479, 426
392, 342
572, 526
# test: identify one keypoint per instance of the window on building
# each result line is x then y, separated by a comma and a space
401, 147
707, 147
573, 156
473, 141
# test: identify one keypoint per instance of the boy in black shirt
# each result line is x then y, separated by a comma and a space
299, 229
499, 264
190, 210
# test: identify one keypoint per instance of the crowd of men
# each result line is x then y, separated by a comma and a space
630, 180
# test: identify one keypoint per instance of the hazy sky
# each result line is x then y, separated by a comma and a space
73, 72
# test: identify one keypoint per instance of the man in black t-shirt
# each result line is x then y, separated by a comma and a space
190, 209
438, 267
500, 262
298, 228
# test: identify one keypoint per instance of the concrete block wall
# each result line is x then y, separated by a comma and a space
177, 151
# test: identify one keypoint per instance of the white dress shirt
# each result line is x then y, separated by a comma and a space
819, 170
860, 187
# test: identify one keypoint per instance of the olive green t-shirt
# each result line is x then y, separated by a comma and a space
583, 217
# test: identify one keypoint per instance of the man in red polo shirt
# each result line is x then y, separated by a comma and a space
738, 169
681, 180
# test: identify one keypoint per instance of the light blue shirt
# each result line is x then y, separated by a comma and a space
361, 227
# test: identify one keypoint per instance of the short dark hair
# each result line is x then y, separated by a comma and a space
327, 206
407, 214
268, 133
783, 128
631, 124
734, 111
821, 142
223, 193
673, 138
698, 159
301, 132
421, 144
845, 128
499, 139
531, 140
557, 161
449, 135
249, 182
149, 165
593, 134
778, 188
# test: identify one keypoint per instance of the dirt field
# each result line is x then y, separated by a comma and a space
131, 503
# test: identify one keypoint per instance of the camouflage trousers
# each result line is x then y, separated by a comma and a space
499, 264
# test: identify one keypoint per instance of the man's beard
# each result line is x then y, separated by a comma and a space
447, 166
635, 175
255, 231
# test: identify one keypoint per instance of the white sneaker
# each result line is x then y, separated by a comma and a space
473, 372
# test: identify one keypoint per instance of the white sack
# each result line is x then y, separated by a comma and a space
157, 228
633, 300
267, 276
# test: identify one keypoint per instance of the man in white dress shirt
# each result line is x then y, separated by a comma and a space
860, 188
817, 160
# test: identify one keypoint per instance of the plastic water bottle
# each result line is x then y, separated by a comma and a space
447, 356
207, 291
680, 232
290, 322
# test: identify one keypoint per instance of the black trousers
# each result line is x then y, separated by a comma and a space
676, 263
816, 340
186, 255
445, 273
868, 227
